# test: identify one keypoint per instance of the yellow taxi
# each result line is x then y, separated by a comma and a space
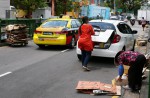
58, 31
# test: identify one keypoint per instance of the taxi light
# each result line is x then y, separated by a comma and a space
116, 38
37, 32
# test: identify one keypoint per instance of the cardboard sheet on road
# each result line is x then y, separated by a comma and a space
87, 87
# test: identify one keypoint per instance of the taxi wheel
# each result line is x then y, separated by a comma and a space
41, 46
72, 43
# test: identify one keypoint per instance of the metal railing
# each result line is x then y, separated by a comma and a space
31, 24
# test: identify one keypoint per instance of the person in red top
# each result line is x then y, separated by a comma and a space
85, 41
136, 61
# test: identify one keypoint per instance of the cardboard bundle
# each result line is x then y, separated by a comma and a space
88, 87
16, 33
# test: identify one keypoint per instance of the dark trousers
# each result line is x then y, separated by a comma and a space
135, 73
85, 57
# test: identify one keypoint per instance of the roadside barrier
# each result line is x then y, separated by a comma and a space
31, 24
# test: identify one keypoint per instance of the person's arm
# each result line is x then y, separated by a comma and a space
79, 31
120, 71
120, 67
92, 31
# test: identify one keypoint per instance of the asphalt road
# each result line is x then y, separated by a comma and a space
29, 72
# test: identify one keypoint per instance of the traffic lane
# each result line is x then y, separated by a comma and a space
55, 77
14, 58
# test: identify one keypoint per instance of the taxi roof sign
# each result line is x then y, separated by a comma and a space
66, 17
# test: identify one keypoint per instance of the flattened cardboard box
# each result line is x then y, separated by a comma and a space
89, 86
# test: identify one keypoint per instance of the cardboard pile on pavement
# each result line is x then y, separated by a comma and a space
88, 87
141, 42
17, 34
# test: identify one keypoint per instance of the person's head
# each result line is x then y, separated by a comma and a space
142, 17
85, 19
116, 62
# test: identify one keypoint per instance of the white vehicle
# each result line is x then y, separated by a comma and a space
113, 35
114, 17
143, 13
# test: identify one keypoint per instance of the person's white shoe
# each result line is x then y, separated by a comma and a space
126, 87
85, 68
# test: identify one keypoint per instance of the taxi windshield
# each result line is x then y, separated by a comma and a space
55, 23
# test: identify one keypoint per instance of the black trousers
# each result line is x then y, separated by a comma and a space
135, 73
85, 57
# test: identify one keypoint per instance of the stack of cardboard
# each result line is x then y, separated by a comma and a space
17, 34
88, 87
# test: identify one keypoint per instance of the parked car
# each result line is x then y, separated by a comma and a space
59, 31
114, 17
121, 38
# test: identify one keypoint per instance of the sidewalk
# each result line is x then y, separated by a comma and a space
142, 49
145, 49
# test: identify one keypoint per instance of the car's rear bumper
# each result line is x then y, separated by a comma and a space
50, 41
101, 53
110, 52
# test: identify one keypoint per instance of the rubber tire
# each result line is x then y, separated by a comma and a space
133, 46
124, 48
149, 40
72, 43
41, 46
79, 57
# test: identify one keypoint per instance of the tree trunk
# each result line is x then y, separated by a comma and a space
53, 7
29, 14
65, 3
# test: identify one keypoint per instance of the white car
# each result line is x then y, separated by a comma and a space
114, 17
113, 36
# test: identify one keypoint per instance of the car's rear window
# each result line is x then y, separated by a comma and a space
55, 23
103, 25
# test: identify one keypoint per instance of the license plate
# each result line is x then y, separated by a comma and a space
101, 45
47, 33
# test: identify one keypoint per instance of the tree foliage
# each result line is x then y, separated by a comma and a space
126, 5
28, 5
62, 6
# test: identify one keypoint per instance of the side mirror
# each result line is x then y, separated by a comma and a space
134, 32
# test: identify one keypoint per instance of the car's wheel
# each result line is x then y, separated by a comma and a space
133, 46
79, 57
124, 48
41, 46
149, 40
72, 43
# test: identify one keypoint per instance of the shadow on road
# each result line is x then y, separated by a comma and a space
53, 48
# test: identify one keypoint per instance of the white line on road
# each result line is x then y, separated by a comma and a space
65, 50
5, 74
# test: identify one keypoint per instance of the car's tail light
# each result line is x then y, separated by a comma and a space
116, 38
37, 32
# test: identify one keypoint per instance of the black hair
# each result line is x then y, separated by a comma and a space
116, 57
84, 20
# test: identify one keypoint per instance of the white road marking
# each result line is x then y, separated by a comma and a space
65, 50
5, 74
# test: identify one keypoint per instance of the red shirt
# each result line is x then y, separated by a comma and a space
85, 40
127, 57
